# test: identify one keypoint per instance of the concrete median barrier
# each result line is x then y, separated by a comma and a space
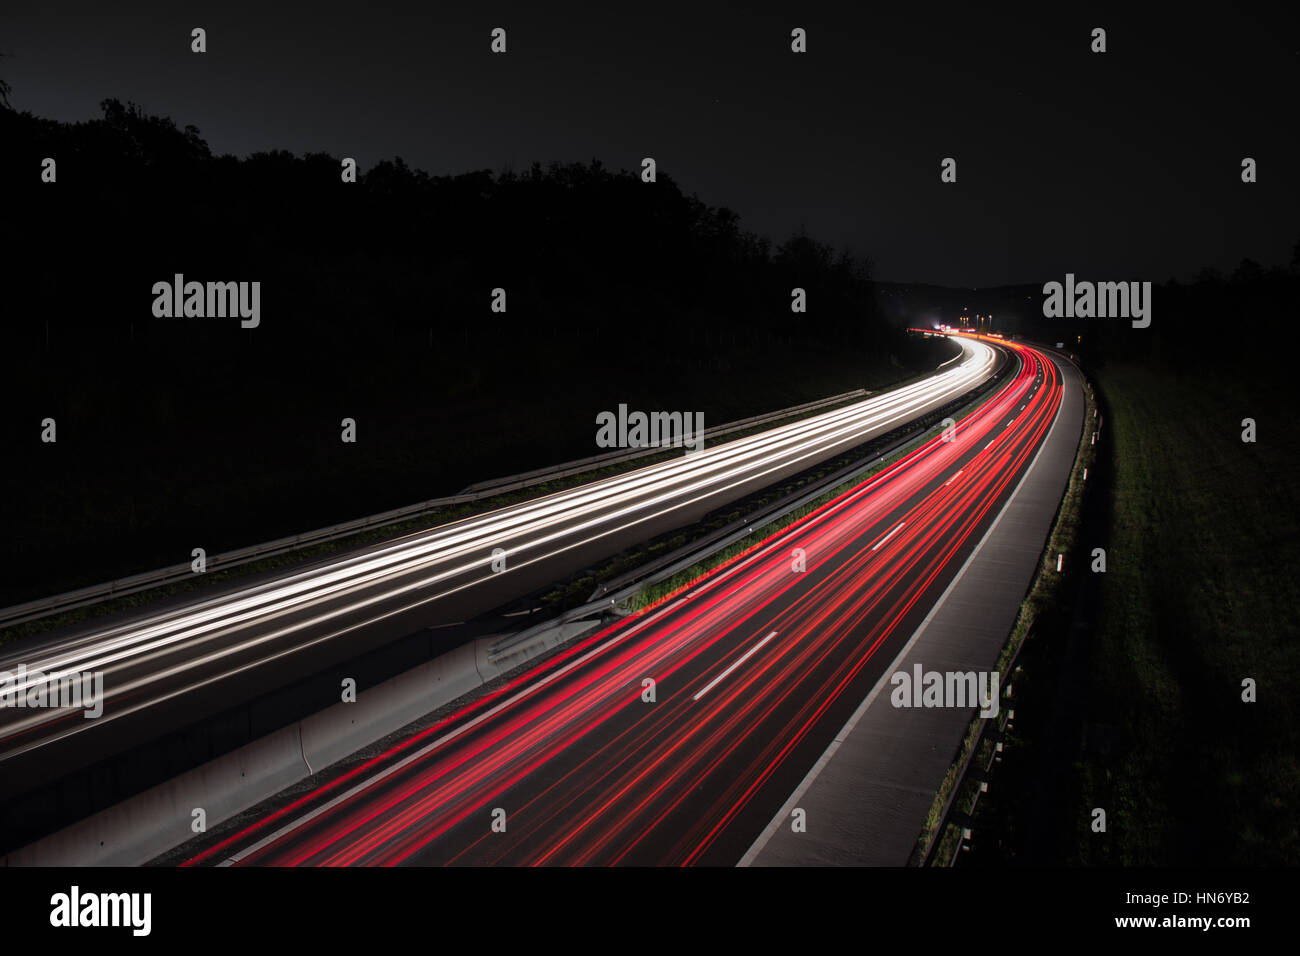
137, 830
145, 826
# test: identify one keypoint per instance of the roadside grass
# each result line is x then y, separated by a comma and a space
1200, 594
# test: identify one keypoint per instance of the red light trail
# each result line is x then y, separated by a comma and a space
754, 666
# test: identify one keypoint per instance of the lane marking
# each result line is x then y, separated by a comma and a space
746, 656
406, 557
888, 536
751, 855
388, 771
954, 477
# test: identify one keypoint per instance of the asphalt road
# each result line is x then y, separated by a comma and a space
754, 669
166, 668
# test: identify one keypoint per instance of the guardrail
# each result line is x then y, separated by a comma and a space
604, 600
70, 600
523, 479
993, 730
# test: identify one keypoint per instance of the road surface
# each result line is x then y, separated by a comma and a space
754, 669
167, 668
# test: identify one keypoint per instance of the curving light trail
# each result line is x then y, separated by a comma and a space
163, 656
754, 667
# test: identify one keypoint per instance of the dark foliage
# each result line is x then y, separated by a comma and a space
376, 306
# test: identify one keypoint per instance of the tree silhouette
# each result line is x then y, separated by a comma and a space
5, 90
376, 304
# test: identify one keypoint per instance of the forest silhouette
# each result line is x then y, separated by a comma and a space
176, 433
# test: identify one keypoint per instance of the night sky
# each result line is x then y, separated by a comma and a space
1123, 165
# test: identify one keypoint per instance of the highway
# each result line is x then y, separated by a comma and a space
164, 668
754, 667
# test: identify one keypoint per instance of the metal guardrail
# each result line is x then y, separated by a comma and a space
605, 601
992, 730
949, 816
70, 600
615, 457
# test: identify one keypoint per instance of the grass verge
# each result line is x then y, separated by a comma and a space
1200, 595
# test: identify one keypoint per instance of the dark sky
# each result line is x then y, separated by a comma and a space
1117, 166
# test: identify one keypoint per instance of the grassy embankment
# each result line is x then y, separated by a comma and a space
1200, 593
1129, 697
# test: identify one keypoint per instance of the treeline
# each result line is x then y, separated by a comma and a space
1213, 322
1209, 322
579, 249
375, 305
